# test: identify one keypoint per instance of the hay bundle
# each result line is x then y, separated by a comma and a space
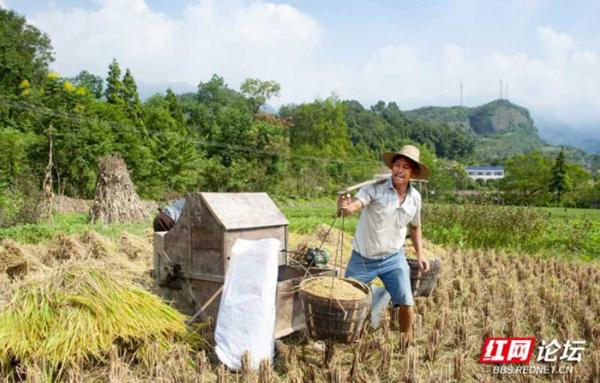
116, 200
74, 315
134, 247
14, 261
97, 246
64, 247
5, 285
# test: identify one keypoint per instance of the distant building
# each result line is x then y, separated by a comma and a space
485, 172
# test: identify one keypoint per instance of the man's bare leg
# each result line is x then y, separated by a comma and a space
402, 320
406, 318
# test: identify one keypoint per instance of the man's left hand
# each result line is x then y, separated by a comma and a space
423, 264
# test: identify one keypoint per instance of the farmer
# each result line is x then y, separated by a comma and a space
390, 208
167, 217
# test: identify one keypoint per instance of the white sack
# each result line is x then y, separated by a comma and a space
246, 319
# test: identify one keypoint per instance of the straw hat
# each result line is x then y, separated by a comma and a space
411, 152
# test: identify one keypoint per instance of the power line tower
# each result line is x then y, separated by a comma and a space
501, 89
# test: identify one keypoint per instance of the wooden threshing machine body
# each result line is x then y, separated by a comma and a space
191, 259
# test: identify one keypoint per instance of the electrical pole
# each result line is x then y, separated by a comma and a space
500, 89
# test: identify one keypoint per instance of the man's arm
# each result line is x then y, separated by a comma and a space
416, 239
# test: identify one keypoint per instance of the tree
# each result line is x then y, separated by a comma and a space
369, 128
258, 92
78, 139
559, 182
215, 93
321, 125
94, 83
319, 130
114, 86
175, 109
223, 116
131, 98
580, 188
527, 178
176, 160
25, 52
14, 146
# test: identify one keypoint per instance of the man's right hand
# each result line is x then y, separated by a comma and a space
344, 202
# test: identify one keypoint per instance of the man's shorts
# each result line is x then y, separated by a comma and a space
393, 270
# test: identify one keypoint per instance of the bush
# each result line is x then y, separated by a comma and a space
509, 227
19, 204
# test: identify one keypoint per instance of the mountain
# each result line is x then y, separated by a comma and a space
500, 127
559, 133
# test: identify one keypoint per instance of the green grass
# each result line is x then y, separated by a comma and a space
563, 212
71, 223
573, 234
305, 216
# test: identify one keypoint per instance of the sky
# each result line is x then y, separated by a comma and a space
416, 53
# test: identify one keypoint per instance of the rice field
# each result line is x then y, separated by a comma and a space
53, 293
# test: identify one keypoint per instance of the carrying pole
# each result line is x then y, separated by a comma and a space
376, 180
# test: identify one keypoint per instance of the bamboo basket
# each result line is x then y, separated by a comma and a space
333, 319
422, 284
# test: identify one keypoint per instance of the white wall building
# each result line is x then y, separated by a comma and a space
485, 172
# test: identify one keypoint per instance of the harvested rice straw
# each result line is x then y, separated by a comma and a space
65, 247
15, 262
97, 246
134, 247
76, 313
342, 289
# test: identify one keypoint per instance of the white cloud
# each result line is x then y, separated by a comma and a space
556, 46
126, 30
561, 83
239, 39
234, 39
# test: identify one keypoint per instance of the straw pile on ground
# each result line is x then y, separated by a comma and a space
133, 247
116, 200
97, 247
65, 247
14, 261
334, 288
73, 316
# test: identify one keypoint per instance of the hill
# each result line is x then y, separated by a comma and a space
501, 129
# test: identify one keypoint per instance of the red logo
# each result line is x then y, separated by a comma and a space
507, 350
